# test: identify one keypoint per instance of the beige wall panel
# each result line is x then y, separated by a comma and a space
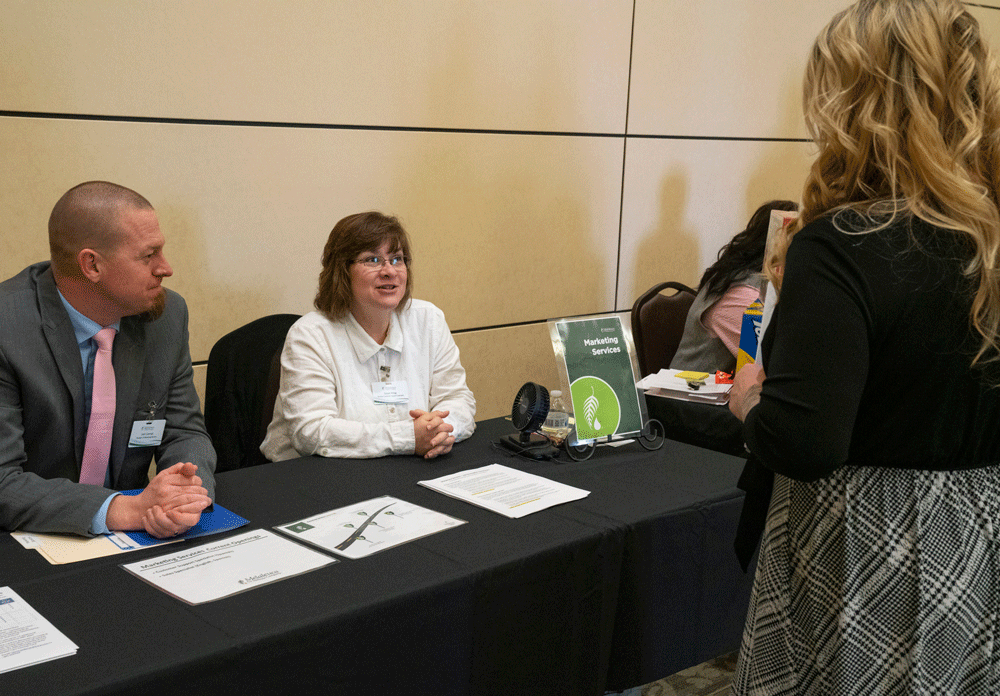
989, 21
721, 68
684, 199
200, 374
502, 225
498, 361
557, 65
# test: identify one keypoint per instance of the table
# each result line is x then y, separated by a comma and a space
620, 588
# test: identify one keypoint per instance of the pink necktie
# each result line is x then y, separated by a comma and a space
102, 412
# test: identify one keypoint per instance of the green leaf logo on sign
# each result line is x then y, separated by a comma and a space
597, 401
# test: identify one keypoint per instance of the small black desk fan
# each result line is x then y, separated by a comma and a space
531, 406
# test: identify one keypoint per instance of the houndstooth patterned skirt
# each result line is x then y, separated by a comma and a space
877, 581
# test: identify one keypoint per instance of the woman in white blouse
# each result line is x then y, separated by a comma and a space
372, 372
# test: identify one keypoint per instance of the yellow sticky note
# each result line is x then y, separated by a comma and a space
688, 374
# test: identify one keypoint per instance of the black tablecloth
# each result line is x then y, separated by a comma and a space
712, 426
625, 586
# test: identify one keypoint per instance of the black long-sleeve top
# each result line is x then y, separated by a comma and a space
867, 356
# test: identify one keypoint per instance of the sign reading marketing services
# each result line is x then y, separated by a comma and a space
600, 375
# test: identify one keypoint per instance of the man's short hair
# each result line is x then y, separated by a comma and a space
87, 216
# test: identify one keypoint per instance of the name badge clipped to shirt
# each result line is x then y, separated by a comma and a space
390, 392
147, 433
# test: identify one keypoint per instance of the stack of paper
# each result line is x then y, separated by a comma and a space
686, 386
26, 637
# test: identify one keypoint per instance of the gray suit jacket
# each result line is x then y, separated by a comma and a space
42, 429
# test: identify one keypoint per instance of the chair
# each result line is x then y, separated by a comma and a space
244, 374
658, 324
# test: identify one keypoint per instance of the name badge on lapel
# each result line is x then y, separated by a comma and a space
147, 433
390, 392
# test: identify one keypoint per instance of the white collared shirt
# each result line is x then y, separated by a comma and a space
325, 405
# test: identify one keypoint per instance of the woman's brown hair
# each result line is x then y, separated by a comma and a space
351, 236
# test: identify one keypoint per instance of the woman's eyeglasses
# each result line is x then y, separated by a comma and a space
373, 262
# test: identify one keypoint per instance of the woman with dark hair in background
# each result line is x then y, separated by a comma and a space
879, 570
372, 372
730, 285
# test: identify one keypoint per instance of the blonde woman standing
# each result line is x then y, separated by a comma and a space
879, 417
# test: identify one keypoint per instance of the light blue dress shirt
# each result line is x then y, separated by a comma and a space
85, 330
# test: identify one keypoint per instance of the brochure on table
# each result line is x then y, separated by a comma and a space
69, 548
779, 219
595, 356
510, 492
227, 567
365, 528
26, 637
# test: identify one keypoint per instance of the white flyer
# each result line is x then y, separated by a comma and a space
360, 530
26, 637
223, 568
508, 491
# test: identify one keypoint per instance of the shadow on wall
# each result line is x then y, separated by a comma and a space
782, 171
671, 249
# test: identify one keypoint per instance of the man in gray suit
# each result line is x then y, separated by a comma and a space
106, 270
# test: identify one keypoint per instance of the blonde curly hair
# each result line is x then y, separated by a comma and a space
902, 97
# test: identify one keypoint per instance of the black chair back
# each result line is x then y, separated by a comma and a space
244, 375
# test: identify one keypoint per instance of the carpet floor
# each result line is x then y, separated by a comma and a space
711, 678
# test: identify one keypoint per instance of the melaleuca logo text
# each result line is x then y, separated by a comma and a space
257, 578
